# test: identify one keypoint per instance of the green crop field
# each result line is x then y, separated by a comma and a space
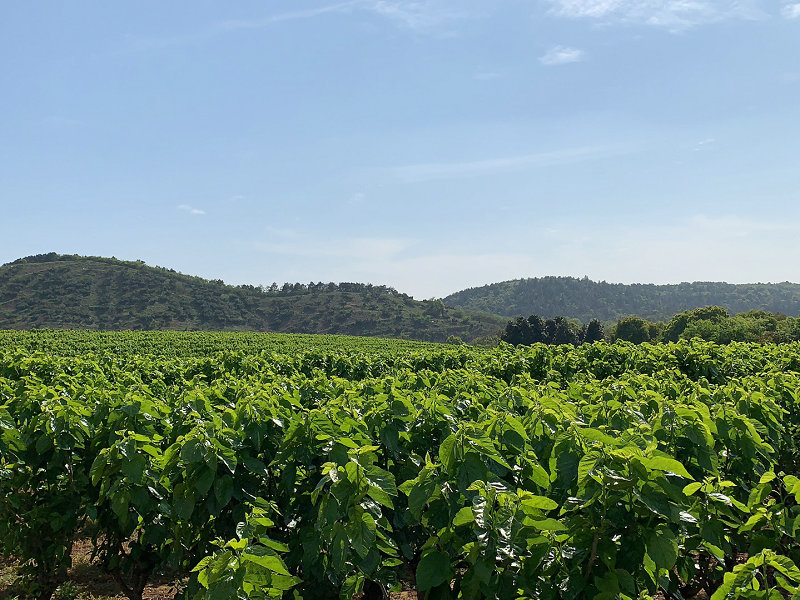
270, 466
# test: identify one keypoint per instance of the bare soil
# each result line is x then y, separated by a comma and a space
91, 583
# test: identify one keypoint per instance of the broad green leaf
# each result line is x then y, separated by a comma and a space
691, 488
464, 516
670, 465
381, 485
433, 570
271, 563
532, 501
362, 532
662, 548
545, 524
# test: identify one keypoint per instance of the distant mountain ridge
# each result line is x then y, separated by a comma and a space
585, 299
78, 292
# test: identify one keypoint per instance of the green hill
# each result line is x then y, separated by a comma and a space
585, 299
77, 292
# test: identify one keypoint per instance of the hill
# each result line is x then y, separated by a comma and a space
79, 292
585, 299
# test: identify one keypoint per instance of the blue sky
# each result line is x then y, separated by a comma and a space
430, 145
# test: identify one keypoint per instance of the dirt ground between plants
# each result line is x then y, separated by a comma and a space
89, 582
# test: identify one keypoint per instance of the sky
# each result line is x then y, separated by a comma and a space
428, 145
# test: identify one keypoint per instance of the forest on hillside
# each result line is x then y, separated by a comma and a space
59, 291
584, 299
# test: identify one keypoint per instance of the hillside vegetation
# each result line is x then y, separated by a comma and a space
584, 299
77, 292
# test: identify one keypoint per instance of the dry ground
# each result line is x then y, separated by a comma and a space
88, 582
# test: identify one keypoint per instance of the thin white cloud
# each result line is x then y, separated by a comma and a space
561, 55
791, 11
675, 15
215, 30
191, 209
416, 173
421, 16
340, 7
703, 143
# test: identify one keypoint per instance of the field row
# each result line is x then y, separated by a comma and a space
606, 471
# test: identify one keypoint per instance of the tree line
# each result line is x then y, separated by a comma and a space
711, 323
559, 330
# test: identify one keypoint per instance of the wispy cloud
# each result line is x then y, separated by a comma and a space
215, 30
791, 11
420, 16
561, 55
454, 170
675, 15
703, 143
191, 209
296, 15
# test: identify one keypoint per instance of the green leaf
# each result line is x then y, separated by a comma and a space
785, 565
192, 451
362, 532
662, 547
272, 563
228, 457
184, 500
381, 485
546, 524
464, 516
670, 465
538, 502
586, 466
420, 495
223, 489
255, 466
119, 504
692, 488
538, 474
767, 477
447, 453
433, 570
204, 482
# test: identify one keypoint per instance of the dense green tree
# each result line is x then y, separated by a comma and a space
752, 326
676, 326
631, 329
594, 332
563, 332
517, 332
537, 329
